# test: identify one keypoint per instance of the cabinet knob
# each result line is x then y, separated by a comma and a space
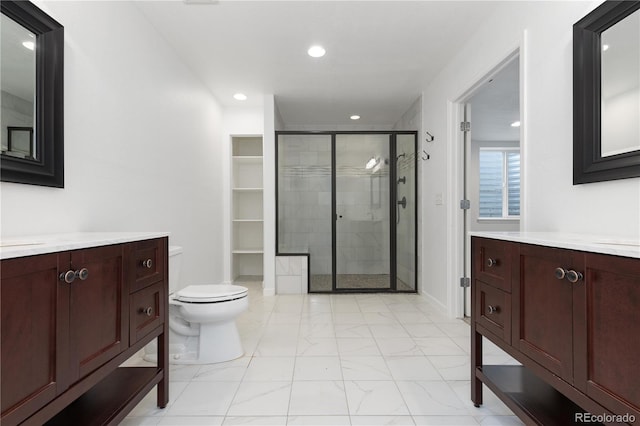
574, 276
560, 273
147, 311
68, 276
492, 262
147, 263
492, 309
83, 274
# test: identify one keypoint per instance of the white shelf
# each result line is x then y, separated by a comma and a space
247, 221
248, 158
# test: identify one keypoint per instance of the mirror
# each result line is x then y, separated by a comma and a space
31, 89
620, 93
606, 93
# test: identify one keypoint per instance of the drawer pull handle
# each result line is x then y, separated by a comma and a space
68, 276
560, 273
147, 263
574, 276
492, 262
492, 309
147, 311
83, 274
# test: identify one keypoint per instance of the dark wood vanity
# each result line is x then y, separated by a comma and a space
570, 317
69, 320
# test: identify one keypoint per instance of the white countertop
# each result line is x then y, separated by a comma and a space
583, 242
41, 244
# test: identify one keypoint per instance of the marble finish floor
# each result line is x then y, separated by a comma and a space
340, 359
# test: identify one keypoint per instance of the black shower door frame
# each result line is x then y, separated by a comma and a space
393, 194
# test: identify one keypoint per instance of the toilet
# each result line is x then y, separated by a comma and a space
202, 319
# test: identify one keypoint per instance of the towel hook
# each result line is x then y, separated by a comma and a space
425, 156
430, 137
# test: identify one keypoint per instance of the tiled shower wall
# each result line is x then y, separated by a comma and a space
304, 198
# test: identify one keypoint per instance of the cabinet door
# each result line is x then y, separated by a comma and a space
607, 344
543, 308
99, 316
34, 330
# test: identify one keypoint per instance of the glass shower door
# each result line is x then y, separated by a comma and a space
406, 211
362, 241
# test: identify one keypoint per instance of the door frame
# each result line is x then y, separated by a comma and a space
457, 257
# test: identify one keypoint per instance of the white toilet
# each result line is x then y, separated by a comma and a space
202, 319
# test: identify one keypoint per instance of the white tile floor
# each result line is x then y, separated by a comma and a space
362, 359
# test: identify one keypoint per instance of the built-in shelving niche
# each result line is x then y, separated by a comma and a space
247, 239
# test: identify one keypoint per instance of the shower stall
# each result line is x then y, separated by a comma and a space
348, 200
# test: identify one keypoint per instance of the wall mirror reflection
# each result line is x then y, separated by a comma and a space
31, 90
620, 47
18, 83
606, 67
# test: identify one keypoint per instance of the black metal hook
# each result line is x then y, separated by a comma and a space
430, 137
425, 156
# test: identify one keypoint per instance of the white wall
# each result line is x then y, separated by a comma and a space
269, 180
142, 141
543, 31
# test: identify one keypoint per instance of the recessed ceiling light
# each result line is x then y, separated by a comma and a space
240, 97
515, 124
29, 45
316, 51
355, 117
605, 47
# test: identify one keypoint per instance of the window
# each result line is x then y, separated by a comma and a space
499, 183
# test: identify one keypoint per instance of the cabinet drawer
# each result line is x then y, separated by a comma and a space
492, 262
493, 310
148, 263
147, 311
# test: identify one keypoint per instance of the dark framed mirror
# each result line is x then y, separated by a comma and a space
32, 96
606, 93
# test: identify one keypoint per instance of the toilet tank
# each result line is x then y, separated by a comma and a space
175, 262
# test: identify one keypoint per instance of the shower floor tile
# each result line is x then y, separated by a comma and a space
322, 283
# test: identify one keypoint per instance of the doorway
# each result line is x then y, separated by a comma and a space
349, 201
490, 162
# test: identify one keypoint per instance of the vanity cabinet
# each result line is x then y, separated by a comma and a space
34, 329
68, 321
572, 316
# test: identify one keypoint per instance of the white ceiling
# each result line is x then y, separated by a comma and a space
380, 54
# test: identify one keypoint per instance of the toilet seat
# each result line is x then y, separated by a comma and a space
212, 293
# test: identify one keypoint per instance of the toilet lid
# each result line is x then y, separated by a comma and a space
210, 293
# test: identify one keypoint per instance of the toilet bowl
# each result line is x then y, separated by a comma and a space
202, 319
